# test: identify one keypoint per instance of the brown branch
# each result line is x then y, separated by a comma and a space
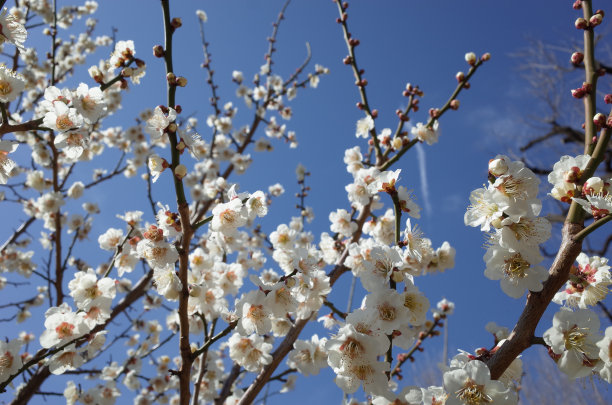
537, 302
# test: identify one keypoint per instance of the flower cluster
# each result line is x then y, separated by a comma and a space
509, 205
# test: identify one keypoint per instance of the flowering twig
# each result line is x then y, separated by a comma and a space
402, 358
360, 82
213, 339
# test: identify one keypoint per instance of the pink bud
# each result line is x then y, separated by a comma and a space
454, 104
460, 77
578, 93
577, 5
581, 23
470, 58
577, 58
599, 119
608, 99
595, 19
485, 57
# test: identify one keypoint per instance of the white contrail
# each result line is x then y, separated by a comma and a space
423, 174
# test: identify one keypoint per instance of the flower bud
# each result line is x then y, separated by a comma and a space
470, 58
454, 104
578, 93
577, 58
181, 81
158, 51
594, 185
608, 99
577, 5
581, 23
171, 77
127, 72
180, 171
460, 76
172, 127
595, 20
498, 167
485, 57
176, 22
599, 119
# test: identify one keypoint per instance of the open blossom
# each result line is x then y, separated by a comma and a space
67, 359
588, 282
251, 352
566, 175
426, 134
10, 360
573, 336
341, 223
11, 84
110, 239
89, 102
6, 164
604, 367
62, 325
308, 356
516, 273
11, 30
229, 216
62, 118
471, 384
73, 143
598, 205
157, 124
364, 126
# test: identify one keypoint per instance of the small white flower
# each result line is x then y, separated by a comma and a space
364, 126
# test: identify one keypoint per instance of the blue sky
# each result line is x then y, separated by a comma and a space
421, 42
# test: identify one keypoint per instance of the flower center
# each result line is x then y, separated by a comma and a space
5, 87
352, 348
473, 394
575, 338
516, 267
6, 361
64, 330
386, 312
63, 122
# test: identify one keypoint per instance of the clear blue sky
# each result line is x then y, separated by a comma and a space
421, 42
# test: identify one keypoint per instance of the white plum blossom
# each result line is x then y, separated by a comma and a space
364, 126
565, 176
471, 384
89, 102
12, 84
11, 30
426, 134
6, 164
62, 118
588, 283
10, 360
516, 273
572, 337
252, 352
159, 121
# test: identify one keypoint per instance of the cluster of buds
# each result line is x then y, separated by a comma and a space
595, 20
580, 92
174, 80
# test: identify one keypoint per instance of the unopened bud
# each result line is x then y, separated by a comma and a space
581, 23
498, 167
485, 57
470, 58
176, 22
454, 104
577, 58
180, 171
594, 185
127, 72
599, 119
171, 77
181, 81
577, 5
460, 76
158, 51
172, 127
578, 93
595, 19
608, 99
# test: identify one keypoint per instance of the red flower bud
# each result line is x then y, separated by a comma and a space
577, 58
